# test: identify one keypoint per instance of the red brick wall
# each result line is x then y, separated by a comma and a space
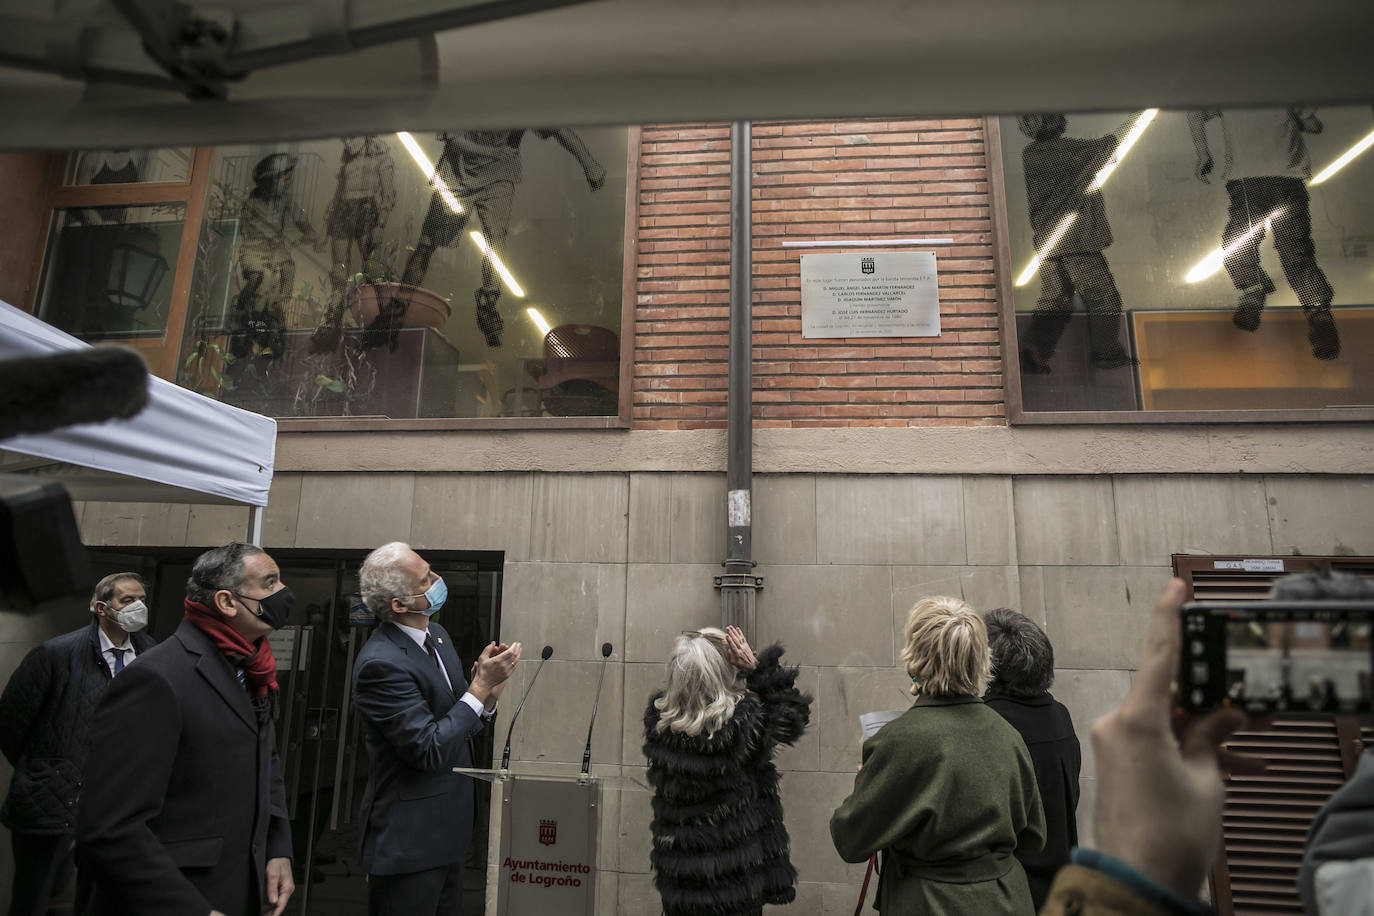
854, 179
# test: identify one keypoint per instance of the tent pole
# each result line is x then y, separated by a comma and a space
255, 514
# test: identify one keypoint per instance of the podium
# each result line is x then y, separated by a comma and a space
550, 826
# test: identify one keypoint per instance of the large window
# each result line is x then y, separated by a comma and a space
1172, 265
394, 278
470, 274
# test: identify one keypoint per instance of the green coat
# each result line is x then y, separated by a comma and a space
948, 791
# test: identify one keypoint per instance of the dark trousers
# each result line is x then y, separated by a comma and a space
1090, 277
435, 892
42, 867
1283, 202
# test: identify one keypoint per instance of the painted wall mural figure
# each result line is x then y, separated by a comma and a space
481, 168
1265, 165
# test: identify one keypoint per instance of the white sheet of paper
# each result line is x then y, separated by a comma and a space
872, 721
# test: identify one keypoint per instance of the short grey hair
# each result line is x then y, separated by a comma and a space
380, 579
217, 569
1022, 657
105, 588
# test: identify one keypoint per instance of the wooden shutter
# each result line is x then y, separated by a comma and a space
1266, 818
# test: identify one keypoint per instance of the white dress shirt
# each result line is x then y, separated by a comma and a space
108, 650
419, 636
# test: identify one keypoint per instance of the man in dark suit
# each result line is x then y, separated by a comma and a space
418, 713
46, 714
189, 817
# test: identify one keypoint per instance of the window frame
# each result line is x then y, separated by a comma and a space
1017, 415
190, 193
164, 354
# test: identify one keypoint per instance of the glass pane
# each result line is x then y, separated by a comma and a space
1173, 260
472, 274
109, 270
128, 166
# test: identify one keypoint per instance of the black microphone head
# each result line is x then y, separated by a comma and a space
547, 653
38, 394
605, 650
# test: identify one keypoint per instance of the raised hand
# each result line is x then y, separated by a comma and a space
737, 650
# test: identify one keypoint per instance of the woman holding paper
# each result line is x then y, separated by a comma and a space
720, 847
946, 791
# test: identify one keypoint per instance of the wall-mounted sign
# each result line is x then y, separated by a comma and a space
877, 294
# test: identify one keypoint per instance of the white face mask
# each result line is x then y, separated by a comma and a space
132, 617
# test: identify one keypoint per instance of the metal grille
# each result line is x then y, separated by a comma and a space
1265, 821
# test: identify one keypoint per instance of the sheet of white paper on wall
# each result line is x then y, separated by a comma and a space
870, 294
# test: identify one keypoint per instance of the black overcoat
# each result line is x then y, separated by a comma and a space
183, 817
719, 844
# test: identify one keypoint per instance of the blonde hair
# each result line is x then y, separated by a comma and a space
946, 650
702, 686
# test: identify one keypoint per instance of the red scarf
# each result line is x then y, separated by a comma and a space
259, 667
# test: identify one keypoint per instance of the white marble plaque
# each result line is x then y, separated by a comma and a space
863, 294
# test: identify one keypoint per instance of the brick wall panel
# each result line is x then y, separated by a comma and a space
814, 180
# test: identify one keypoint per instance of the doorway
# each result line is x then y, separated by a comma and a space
324, 762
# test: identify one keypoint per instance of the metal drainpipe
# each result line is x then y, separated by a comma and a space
738, 585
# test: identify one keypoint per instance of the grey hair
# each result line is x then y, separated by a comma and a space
380, 579
105, 588
219, 568
702, 685
1022, 657
1315, 586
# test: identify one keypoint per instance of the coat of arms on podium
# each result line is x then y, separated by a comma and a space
548, 833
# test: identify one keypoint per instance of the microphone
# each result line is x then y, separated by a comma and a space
39, 394
587, 753
543, 657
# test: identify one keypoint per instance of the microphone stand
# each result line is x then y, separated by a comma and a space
543, 657
587, 753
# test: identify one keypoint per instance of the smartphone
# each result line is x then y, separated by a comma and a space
1290, 657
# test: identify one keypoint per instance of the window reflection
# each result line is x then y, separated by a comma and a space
109, 271
128, 166
399, 276
1199, 265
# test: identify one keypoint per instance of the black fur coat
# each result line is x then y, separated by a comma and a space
720, 847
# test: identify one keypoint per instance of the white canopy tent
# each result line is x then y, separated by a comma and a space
182, 447
74, 73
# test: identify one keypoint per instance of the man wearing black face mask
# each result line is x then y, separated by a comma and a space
46, 714
189, 818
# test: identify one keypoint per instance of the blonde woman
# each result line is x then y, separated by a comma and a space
946, 791
720, 847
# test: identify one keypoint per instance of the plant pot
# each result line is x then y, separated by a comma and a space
424, 309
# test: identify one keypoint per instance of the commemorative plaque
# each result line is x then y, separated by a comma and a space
877, 294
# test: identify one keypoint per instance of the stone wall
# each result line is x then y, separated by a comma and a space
627, 557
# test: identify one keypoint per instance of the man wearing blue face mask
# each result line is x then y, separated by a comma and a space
418, 712
46, 714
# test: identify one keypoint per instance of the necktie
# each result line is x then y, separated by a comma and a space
118, 654
434, 654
